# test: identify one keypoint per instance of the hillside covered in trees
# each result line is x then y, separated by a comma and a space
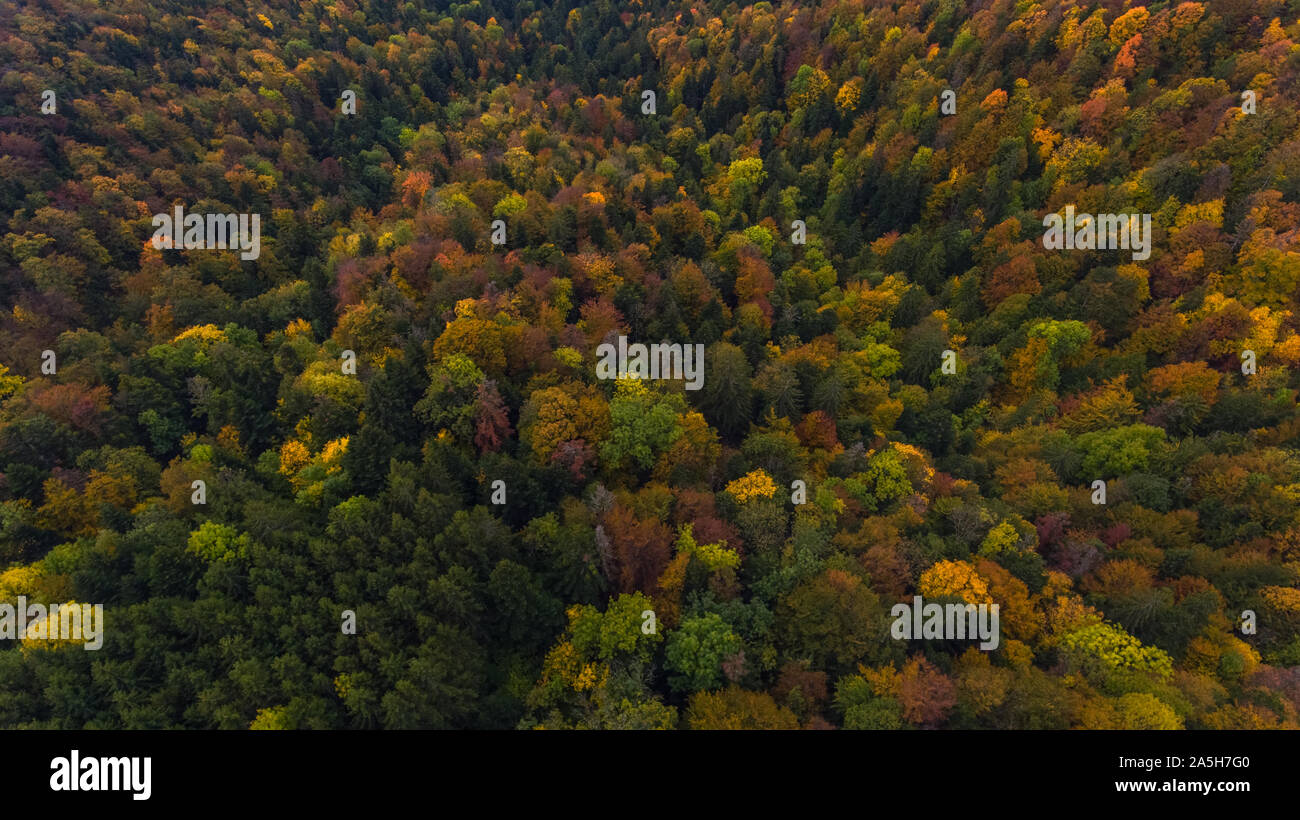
947, 388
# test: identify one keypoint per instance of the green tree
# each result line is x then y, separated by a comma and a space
696, 650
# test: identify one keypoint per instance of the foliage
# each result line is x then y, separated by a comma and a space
394, 417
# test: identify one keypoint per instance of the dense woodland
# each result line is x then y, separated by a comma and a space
475, 363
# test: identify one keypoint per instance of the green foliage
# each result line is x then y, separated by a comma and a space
218, 542
643, 425
1120, 450
886, 478
1103, 648
696, 650
616, 632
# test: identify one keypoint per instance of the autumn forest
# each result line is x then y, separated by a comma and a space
369, 474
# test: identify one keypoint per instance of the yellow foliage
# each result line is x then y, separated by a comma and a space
885, 681
955, 579
600, 270
482, 341
298, 327
270, 718
343, 685
1128, 24
554, 422
756, 484
45, 633
325, 378
202, 333
713, 556
65, 510
228, 439
1211, 212
1288, 351
1017, 653
563, 664
109, 488
1109, 407
886, 414
293, 457
590, 677
630, 387
1046, 139
847, 98
1265, 325
466, 308
332, 454
568, 356
915, 462
862, 304
1068, 613
20, 580
816, 85
9, 383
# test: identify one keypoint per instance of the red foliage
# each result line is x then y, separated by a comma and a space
75, 405
491, 420
817, 431
927, 694
574, 456
1051, 529
699, 509
641, 549
599, 319
811, 683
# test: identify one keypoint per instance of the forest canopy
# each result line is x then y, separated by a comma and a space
905, 391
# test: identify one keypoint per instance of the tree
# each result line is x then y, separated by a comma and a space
491, 423
725, 397
642, 425
735, 708
833, 619
641, 549
696, 650
1119, 450
556, 415
1103, 649
925, 694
